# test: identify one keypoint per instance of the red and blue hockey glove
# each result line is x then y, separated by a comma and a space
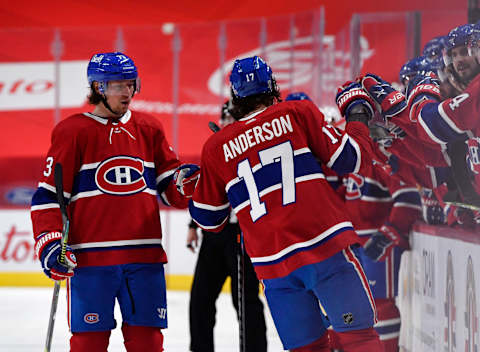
48, 248
186, 177
432, 210
381, 243
351, 94
391, 101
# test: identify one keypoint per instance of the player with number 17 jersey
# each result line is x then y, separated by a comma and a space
267, 167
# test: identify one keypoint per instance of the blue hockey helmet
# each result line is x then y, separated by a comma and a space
413, 67
251, 76
433, 49
297, 96
474, 42
105, 67
457, 37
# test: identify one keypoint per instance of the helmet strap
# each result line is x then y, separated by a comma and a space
107, 105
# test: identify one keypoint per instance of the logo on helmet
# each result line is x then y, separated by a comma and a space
120, 175
97, 59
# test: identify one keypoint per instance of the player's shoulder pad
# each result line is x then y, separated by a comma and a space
71, 125
141, 118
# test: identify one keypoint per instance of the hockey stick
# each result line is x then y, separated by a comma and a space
213, 127
58, 176
240, 275
241, 291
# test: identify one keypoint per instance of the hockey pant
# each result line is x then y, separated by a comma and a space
341, 285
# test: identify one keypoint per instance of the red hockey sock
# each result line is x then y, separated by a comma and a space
365, 340
388, 325
320, 345
95, 341
333, 340
142, 338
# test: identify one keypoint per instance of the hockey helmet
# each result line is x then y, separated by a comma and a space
297, 96
105, 67
251, 76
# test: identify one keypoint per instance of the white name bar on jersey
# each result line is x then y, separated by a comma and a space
258, 134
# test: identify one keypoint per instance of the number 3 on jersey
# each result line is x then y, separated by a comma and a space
282, 153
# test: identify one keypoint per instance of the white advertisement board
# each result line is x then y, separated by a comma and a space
17, 253
438, 291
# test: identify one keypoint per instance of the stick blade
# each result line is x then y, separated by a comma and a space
213, 127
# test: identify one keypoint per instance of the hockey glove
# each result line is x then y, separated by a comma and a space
381, 243
48, 248
432, 210
351, 95
391, 101
186, 177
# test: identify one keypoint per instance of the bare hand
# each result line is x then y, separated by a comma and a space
192, 239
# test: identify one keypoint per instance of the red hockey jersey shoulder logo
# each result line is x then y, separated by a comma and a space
120, 175
354, 186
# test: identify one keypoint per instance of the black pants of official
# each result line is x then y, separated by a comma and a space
217, 260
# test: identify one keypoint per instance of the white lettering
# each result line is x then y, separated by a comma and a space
286, 124
267, 130
256, 135
257, 131
277, 128
248, 133
227, 152
243, 142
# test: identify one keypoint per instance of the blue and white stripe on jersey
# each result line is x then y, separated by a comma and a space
268, 178
303, 246
407, 197
45, 197
163, 181
366, 189
347, 158
438, 126
209, 217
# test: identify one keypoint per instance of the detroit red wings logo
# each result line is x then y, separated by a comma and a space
120, 175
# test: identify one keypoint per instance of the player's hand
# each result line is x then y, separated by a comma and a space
351, 95
391, 101
423, 86
432, 211
381, 243
192, 239
48, 249
186, 177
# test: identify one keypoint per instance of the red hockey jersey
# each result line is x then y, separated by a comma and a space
267, 168
113, 172
376, 197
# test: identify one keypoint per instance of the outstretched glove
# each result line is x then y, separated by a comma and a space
351, 95
186, 177
422, 87
381, 243
391, 101
48, 248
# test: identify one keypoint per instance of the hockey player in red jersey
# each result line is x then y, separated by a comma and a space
301, 243
115, 163
382, 208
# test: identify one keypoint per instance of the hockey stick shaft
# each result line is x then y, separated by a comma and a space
241, 291
58, 176
240, 275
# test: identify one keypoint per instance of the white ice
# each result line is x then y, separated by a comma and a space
24, 316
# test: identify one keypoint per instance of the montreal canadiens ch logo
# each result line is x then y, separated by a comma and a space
91, 318
354, 186
120, 175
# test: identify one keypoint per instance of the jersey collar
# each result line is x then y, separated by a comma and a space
252, 115
124, 119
